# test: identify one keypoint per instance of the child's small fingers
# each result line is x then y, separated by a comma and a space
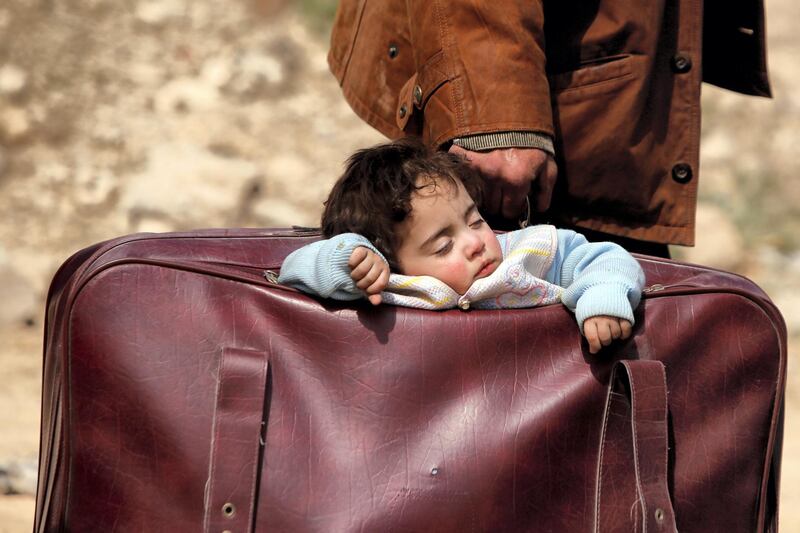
604, 333
616, 331
357, 256
369, 277
590, 332
361, 269
626, 327
375, 299
594, 345
380, 283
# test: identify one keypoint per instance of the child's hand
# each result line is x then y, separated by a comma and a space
370, 272
601, 330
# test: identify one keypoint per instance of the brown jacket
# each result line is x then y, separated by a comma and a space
616, 82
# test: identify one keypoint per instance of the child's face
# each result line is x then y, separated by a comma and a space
445, 237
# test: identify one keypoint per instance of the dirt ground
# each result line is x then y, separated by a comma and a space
234, 103
20, 373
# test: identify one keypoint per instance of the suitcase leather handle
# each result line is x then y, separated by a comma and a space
634, 441
236, 441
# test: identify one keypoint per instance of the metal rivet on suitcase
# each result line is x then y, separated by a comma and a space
659, 515
229, 510
434, 471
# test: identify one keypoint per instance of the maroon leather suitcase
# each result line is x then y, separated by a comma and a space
185, 391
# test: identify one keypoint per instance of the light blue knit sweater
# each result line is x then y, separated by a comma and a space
598, 278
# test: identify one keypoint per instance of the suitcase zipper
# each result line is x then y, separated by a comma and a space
681, 288
658, 287
653, 288
272, 277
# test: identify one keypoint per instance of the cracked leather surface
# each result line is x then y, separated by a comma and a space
386, 419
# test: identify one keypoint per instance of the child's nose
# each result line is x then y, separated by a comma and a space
475, 245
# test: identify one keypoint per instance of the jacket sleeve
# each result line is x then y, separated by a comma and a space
480, 68
321, 268
599, 278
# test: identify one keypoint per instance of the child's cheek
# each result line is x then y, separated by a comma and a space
457, 276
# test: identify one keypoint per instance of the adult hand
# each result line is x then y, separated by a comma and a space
370, 272
510, 174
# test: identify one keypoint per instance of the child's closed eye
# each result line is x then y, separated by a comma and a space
477, 223
445, 248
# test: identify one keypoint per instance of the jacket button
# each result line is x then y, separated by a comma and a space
464, 304
682, 173
403, 110
681, 63
393, 51
417, 95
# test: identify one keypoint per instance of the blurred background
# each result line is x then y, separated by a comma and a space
162, 115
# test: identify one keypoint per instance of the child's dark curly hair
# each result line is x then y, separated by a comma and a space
374, 193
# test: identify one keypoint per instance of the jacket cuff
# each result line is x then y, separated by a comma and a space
604, 299
506, 139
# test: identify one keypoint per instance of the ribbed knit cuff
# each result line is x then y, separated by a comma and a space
506, 139
321, 268
604, 299
333, 268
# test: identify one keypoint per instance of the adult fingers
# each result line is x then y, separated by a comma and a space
527, 172
492, 197
542, 193
493, 184
513, 201
463, 152
517, 170
488, 163
500, 172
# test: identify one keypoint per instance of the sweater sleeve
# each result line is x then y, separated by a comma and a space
321, 268
600, 278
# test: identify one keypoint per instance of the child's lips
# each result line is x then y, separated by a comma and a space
486, 269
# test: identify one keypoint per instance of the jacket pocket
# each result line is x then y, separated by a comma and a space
592, 78
607, 140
